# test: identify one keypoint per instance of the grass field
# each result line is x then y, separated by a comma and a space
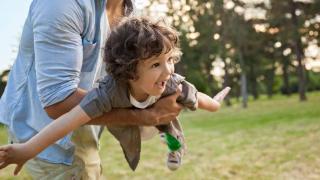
272, 139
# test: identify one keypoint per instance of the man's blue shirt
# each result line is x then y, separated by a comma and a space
59, 52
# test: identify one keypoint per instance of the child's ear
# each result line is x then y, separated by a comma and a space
134, 78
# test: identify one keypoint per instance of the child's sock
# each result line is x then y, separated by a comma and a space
172, 142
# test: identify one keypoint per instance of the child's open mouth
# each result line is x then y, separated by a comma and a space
161, 84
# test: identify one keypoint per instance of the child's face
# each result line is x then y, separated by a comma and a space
153, 74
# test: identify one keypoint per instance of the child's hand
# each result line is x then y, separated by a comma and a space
222, 94
13, 154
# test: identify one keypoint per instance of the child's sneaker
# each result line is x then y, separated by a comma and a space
176, 148
174, 160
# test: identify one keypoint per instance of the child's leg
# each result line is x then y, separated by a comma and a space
170, 135
179, 132
173, 134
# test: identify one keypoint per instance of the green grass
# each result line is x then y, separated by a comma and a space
272, 139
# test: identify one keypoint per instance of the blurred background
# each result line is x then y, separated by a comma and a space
267, 51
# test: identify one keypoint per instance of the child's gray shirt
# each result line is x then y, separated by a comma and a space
113, 94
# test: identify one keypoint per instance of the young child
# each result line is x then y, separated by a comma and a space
140, 57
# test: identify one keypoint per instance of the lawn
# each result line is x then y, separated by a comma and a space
272, 139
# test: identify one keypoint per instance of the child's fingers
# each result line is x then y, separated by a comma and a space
4, 148
3, 155
222, 94
3, 165
17, 169
225, 91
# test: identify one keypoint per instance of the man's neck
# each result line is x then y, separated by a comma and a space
115, 10
114, 4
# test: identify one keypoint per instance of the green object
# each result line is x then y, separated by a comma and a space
172, 142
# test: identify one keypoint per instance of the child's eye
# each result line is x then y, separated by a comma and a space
155, 65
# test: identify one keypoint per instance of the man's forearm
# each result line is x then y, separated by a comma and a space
162, 112
122, 117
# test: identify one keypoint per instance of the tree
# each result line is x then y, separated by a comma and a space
289, 18
3, 82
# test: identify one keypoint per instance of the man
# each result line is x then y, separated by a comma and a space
57, 63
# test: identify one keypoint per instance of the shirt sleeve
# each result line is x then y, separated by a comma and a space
57, 27
188, 96
99, 100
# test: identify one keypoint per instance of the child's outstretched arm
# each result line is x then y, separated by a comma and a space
212, 104
20, 153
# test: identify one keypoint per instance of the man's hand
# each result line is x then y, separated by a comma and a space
165, 109
222, 94
13, 154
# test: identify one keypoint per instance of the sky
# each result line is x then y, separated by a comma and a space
12, 16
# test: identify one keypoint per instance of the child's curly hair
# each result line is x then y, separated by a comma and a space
136, 39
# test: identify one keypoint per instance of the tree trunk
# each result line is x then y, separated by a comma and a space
244, 91
226, 77
299, 53
270, 81
253, 82
285, 76
210, 79
226, 83
243, 78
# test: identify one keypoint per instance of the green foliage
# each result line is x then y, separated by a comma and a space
313, 80
197, 79
224, 33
